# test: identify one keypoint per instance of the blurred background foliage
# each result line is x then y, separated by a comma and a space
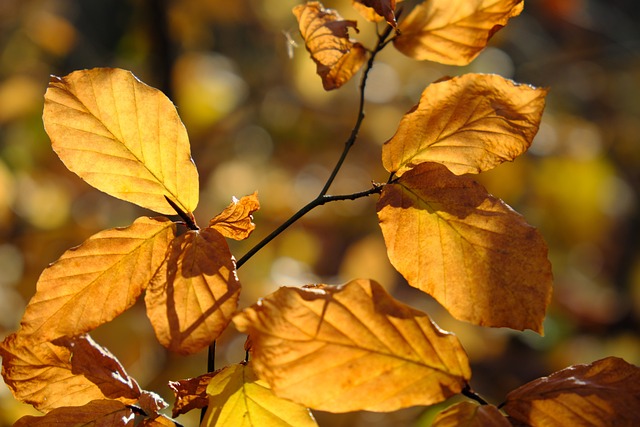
259, 120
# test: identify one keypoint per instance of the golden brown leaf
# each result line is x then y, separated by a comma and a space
469, 250
326, 37
191, 393
351, 347
49, 376
469, 123
235, 222
467, 414
375, 10
194, 293
93, 283
98, 413
238, 398
157, 421
122, 137
603, 393
151, 403
453, 31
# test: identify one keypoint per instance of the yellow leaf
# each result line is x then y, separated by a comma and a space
453, 31
469, 123
190, 393
98, 413
235, 221
238, 398
469, 250
376, 10
194, 293
351, 347
467, 414
122, 137
326, 37
601, 394
93, 283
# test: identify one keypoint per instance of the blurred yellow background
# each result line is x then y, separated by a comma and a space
258, 119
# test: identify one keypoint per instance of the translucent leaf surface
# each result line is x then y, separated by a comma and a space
98, 413
190, 393
238, 398
603, 393
235, 222
157, 421
469, 123
469, 250
351, 347
453, 31
122, 137
467, 414
93, 283
326, 37
375, 10
194, 293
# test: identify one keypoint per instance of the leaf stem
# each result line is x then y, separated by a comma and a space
468, 392
187, 218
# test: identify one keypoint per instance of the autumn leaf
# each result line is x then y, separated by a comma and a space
375, 10
235, 222
469, 123
50, 376
479, 258
95, 282
326, 37
603, 393
151, 403
157, 421
238, 398
122, 137
194, 293
98, 413
467, 414
453, 31
351, 347
190, 393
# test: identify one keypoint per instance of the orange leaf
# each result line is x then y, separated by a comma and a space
157, 421
467, 414
98, 413
374, 10
194, 293
351, 347
469, 250
603, 393
453, 31
235, 222
326, 37
93, 283
191, 393
469, 123
49, 376
122, 137
151, 403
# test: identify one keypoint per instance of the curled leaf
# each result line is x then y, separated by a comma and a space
235, 221
375, 10
190, 393
97, 413
467, 414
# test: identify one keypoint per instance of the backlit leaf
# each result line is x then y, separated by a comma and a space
122, 137
453, 31
98, 413
467, 414
603, 393
235, 222
191, 393
238, 398
93, 283
469, 250
151, 403
469, 123
194, 293
375, 10
157, 421
326, 37
351, 347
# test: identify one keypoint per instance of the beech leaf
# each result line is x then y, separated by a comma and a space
190, 393
467, 414
470, 123
453, 32
122, 137
98, 413
235, 222
603, 393
469, 250
95, 282
326, 37
193, 295
238, 398
351, 347
375, 10
158, 421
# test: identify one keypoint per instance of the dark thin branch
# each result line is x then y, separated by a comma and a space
467, 391
188, 219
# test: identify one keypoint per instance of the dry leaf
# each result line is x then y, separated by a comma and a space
453, 31
469, 123
601, 394
375, 10
326, 37
194, 293
151, 403
191, 393
98, 413
238, 398
467, 414
469, 250
351, 347
93, 283
235, 222
122, 137
157, 421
